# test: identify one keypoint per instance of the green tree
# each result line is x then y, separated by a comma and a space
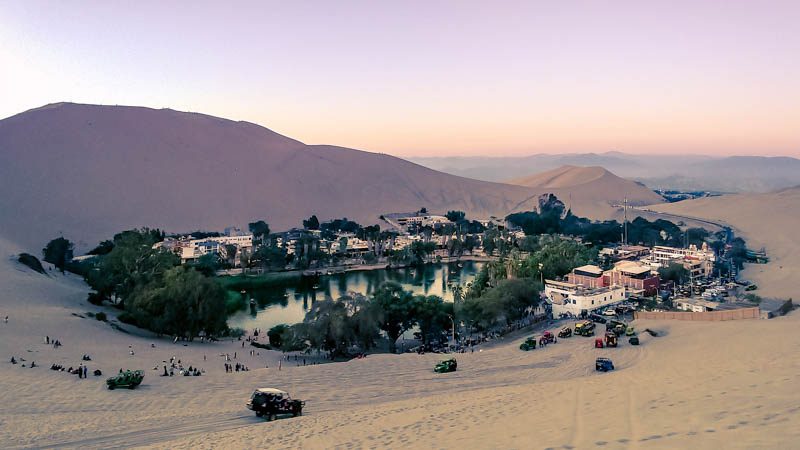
133, 262
455, 216
311, 224
58, 252
396, 311
260, 231
433, 316
275, 335
674, 272
182, 303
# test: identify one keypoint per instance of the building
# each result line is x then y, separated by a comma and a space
569, 298
588, 276
699, 262
695, 305
637, 278
190, 250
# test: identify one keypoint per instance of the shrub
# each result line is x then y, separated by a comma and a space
101, 316
264, 346
234, 332
95, 298
31, 261
128, 318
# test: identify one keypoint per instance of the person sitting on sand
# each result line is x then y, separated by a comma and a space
13, 361
33, 364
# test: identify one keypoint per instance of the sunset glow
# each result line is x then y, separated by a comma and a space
431, 78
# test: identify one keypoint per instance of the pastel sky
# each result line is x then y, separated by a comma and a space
430, 77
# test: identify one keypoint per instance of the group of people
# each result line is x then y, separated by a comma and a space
188, 372
14, 361
230, 368
56, 343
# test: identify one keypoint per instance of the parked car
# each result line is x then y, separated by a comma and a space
585, 328
269, 402
548, 337
597, 318
630, 331
634, 340
603, 365
611, 339
129, 379
565, 332
529, 344
610, 312
448, 365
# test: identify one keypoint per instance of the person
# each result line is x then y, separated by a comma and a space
166, 374
80, 371
85, 371
13, 361
47, 340
6, 319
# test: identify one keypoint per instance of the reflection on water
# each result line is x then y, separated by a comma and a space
289, 303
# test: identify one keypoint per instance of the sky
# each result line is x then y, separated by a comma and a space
430, 78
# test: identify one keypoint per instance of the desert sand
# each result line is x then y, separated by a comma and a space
696, 385
770, 220
590, 191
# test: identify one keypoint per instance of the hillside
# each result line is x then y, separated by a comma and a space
596, 187
89, 171
668, 172
765, 220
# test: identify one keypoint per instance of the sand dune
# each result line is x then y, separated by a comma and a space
595, 189
765, 220
91, 171
699, 385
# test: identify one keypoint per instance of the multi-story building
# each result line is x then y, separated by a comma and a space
569, 298
588, 276
700, 262
636, 277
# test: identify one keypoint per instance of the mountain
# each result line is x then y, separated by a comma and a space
596, 187
90, 171
669, 172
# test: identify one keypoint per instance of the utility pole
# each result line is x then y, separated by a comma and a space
625, 213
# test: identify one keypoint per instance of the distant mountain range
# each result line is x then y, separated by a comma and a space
679, 172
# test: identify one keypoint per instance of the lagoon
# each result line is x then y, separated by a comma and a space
289, 301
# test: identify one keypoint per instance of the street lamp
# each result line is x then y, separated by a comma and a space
453, 330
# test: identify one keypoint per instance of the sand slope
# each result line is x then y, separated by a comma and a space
591, 189
699, 385
765, 220
91, 171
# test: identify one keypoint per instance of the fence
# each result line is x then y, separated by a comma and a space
708, 316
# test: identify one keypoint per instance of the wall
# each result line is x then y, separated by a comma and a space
709, 316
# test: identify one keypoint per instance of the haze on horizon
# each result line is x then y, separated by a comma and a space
431, 78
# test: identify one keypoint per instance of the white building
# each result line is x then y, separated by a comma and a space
575, 299
695, 305
190, 250
700, 262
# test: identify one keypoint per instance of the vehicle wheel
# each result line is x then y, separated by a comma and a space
259, 414
273, 416
111, 388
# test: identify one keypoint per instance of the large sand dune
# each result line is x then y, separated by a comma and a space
699, 385
596, 189
91, 171
768, 220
